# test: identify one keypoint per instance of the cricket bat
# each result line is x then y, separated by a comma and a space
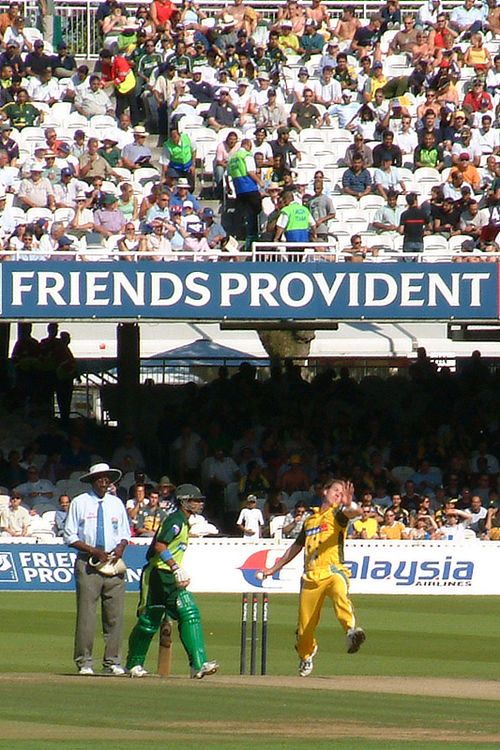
165, 649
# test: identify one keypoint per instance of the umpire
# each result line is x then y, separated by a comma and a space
97, 527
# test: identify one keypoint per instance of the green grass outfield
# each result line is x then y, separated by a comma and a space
427, 677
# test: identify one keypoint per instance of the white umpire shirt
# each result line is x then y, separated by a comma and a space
81, 521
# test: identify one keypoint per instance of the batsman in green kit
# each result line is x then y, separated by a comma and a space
164, 591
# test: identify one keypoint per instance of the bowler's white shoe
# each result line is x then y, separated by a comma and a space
355, 638
137, 671
86, 671
209, 667
306, 666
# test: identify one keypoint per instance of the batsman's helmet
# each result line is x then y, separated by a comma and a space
185, 494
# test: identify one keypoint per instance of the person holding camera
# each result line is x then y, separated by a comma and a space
294, 521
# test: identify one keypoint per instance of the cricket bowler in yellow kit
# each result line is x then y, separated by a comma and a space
322, 539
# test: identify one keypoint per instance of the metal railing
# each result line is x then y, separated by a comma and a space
79, 29
263, 252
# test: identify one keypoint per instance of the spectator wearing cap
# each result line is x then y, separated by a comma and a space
66, 189
92, 164
260, 95
83, 219
78, 147
93, 100
330, 55
288, 42
300, 84
345, 110
222, 113
468, 171
241, 98
110, 151
137, 154
36, 191
12, 56
108, 220
214, 231
63, 63
64, 157
466, 144
37, 61
22, 113
376, 81
182, 193
311, 42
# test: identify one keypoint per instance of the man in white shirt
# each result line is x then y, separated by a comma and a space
250, 521
38, 494
327, 90
46, 90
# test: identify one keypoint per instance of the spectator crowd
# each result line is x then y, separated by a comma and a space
375, 137
422, 452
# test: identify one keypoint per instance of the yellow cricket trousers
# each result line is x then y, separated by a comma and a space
312, 597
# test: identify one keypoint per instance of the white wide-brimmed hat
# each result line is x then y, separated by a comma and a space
99, 470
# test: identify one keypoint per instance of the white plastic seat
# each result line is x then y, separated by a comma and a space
371, 201
102, 121
455, 243
191, 121
275, 525
342, 202
143, 174
64, 215
35, 213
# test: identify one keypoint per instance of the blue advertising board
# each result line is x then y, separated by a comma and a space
44, 567
256, 291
